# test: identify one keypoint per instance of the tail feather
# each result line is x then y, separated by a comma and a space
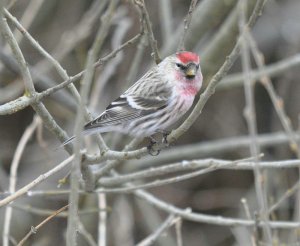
91, 131
70, 140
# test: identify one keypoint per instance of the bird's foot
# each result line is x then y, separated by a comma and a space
165, 135
150, 148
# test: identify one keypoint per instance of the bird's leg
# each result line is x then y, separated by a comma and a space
165, 134
151, 151
165, 137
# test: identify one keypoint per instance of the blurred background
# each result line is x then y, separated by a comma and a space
66, 29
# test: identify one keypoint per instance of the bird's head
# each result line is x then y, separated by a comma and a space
187, 64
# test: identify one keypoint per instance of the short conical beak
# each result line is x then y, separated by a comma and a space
191, 72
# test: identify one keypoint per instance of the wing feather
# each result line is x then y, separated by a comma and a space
145, 97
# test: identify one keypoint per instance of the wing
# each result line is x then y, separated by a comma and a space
151, 86
145, 97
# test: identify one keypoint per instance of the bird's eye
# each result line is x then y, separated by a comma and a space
180, 66
197, 67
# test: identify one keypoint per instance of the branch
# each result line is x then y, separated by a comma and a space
8, 35
165, 18
209, 148
35, 182
13, 175
188, 215
148, 24
184, 166
187, 22
47, 212
86, 235
25, 101
102, 220
163, 227
200, 25
29, 87
34, 229
250, 115
285, 196
73, 218
35, 44
209, 219
271, 70
276, 100
210, 90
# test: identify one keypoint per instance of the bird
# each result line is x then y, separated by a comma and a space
155, 102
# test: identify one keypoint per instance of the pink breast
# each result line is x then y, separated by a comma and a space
190, 90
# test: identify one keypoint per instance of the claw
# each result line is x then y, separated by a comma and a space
165, 137
151, 151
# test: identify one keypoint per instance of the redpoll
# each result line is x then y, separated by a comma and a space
156, 101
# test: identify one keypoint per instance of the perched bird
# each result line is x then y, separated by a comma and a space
155, 101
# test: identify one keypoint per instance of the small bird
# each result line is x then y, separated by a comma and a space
156, 101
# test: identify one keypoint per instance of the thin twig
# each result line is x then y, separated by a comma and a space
48, 120
123, 23
35, 182
8, 35
187, 215
25, 101
77, 34
184, 166
86, 235
250, 115
209, 219
166, 181
178, 229
112, 164
136, 62
276, 68
248, 216
165, 17
34, 229
210, 90
102, 220
152, 40
46, 212
28, 16
62, 72
276, 100
199, 106
285, 196
209, 148
153, 237
84, 91
13, 175
187, 22
35, 44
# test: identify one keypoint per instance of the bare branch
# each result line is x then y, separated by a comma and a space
34, 229
187, 22
84, 90
271, 70
250, 115
210, 219
285, 196
276, 100
102, 220
195, 164
25, 101
153, 237
210, 90
88, 237
152, 40
13, 175
35, 182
